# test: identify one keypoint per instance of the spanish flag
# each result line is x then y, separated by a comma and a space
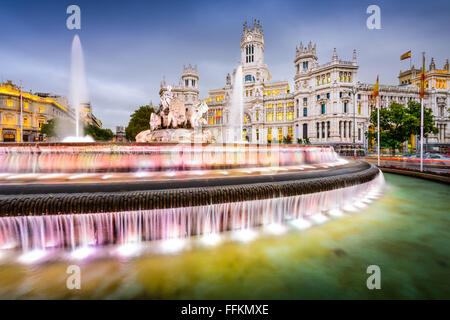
422, 78
376, 88
406, 55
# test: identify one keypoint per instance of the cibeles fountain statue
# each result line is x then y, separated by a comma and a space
173, 123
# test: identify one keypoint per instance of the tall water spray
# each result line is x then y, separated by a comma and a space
237, 108
78, 93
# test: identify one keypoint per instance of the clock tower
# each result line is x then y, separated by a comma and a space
252, 53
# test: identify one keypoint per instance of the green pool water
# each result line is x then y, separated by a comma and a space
406, 233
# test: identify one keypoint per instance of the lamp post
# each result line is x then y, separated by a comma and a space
21, 114
354, 92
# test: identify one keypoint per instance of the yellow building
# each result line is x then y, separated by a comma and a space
434, 78
37, 109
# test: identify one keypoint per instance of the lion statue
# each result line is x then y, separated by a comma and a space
196, 119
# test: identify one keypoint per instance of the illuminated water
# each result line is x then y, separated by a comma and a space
406, 233
234, 127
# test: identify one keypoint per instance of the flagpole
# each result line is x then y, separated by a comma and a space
21, 114
421, 134
378, 129
422, 94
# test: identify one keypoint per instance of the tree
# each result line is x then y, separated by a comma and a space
98, 133
58, 128
139, 121
398, 122
49, 128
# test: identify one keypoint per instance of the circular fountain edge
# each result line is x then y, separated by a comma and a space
247, 190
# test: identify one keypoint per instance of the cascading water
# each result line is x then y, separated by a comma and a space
237, 109
78, 93
74, 231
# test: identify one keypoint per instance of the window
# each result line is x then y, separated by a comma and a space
318, 130
290, 115
269, 116
269, 134
318, 97
340, 94
323, 129
193, 83
249, 53
40, 123
257, 135
345, 107
359, 96
323, 108
345, 129
305, 65
280, 134
9, 119
359, 134
280, 116
249, 78
359, 108
290, 132
328, 129
305, 112
25, 105
9, 103
41, 109
257, 115
340, 129
305, 100
328, 95
186, 83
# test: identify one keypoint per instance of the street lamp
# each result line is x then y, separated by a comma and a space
354, 92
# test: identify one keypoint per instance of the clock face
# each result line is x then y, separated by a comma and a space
249, 38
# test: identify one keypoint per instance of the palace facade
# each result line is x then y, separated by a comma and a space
327, 104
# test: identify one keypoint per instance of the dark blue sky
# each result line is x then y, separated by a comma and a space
129, 45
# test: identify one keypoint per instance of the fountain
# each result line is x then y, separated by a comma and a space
173, 122
125, 194
234, 127
173, 184
78, 93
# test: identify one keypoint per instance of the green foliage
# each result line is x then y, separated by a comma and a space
98, 134
398, 122
287, 140
49, 128
299, 141
58, 128
139, 121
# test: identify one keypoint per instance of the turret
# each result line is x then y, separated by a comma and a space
306, 57
190, 77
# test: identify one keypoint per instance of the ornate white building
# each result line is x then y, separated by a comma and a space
327, 105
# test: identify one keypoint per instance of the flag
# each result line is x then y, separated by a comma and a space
376, 88
422, 78
406, 55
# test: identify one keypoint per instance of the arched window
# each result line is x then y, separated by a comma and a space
249, 78
305, 130
305, 112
